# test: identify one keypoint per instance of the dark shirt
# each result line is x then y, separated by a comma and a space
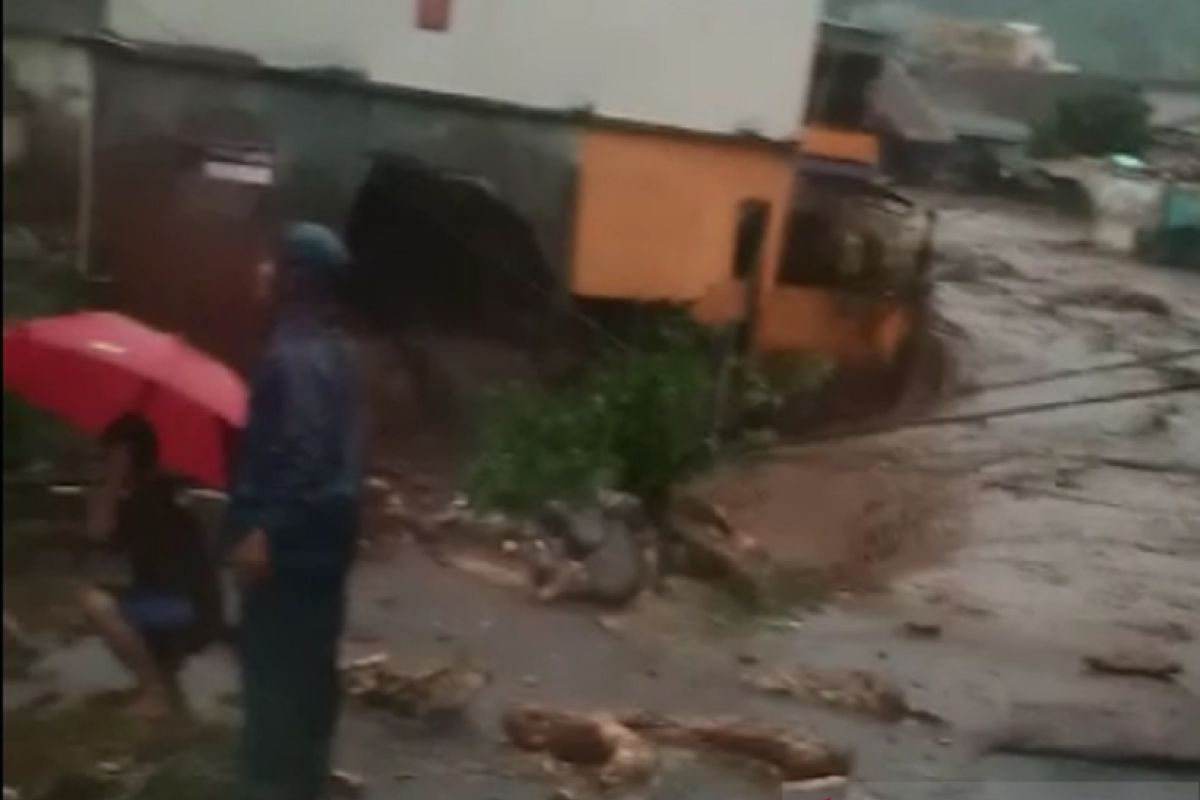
163, 541
299, 471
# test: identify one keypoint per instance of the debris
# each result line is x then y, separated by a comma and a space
11, 794
1115, 298
796, 757
606, 556
346, 784
597, 741
748, 659
438, 690
1144, 663
1142, 734
857, 690
819, 789
923, 627
713, 550
1169, 631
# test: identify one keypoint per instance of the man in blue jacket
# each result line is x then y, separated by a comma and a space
294, 518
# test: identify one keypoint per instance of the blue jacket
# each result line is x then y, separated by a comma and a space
299, 470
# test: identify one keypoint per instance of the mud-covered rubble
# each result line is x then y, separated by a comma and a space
1142, 662
857, 691
605, 551
445, 689
622, 749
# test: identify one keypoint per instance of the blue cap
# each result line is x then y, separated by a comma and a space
313, 256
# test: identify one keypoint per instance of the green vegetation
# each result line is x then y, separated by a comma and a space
639, 421
1096, 125
642, 419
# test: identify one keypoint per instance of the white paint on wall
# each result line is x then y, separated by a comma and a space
708, 65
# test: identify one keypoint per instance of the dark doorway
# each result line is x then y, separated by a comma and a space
441, 251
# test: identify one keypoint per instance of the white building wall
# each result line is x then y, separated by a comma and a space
707, 65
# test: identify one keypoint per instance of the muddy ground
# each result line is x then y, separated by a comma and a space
1019, 545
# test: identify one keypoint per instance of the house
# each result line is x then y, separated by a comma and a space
535, 150
487, 160
849, 275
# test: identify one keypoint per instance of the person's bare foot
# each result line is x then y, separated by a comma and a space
151, 705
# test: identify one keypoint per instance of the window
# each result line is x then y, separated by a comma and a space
433, 15
751, 230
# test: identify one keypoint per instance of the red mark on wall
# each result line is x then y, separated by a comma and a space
433, 15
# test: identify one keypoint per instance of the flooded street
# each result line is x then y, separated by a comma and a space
975, 566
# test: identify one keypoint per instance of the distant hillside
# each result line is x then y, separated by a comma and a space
1152, 38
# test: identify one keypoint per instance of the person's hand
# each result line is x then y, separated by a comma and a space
252, 558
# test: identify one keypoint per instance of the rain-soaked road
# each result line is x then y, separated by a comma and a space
1032, 540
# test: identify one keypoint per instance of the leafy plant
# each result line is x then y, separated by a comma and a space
638, 422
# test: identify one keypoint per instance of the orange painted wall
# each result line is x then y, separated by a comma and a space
853, 329
656, 214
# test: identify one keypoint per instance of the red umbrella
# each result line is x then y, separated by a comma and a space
90, 368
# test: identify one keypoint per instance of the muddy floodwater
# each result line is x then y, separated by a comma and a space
978, 566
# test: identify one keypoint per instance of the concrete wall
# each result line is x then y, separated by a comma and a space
854, 330
182, 249
657, 215
709, 65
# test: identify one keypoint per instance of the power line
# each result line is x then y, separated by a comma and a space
1002, 413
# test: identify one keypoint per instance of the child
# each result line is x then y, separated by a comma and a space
172, 604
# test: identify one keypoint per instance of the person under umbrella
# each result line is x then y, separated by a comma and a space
293, 521
171, 607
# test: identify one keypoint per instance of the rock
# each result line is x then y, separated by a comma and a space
11, 793
1144, 663
857, 690
606, 558
581, 529
616, 571
748, 659
346, 784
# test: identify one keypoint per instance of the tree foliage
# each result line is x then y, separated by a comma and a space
1096, 125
